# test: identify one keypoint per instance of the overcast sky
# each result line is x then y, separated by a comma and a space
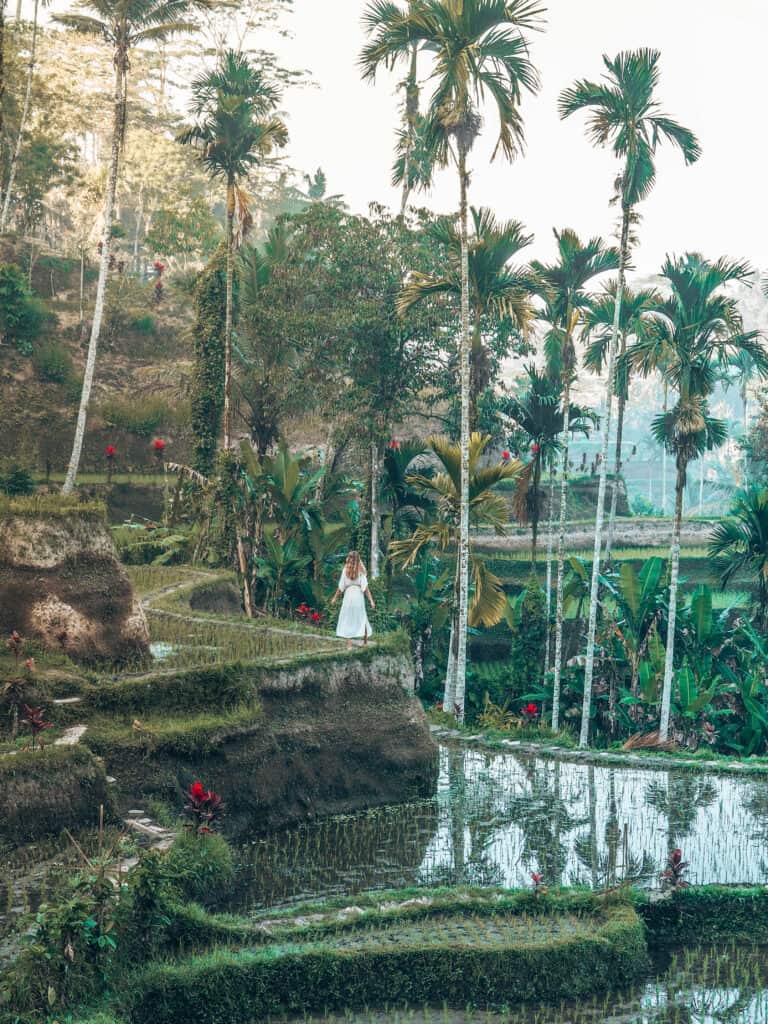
713, 75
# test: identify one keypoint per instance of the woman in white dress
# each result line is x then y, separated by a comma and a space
353, 622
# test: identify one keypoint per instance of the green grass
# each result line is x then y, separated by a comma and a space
155, 479
50, 506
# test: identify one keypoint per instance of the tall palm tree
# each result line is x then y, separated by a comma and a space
563, 287
537, 415
236, 129
479, 49
123, 25
636, 316
442, 530
496, 288
622, 114
701, 335
385, 20
740, 544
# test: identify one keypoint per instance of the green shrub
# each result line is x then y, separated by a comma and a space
140, 416
22, 315
53, 363
144, 324
17, 482
201, 867
710, 913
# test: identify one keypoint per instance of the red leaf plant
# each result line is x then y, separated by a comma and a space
204, 807
36, 722
530, 711
672, 875
538, 884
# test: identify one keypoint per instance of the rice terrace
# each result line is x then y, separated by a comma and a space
383, 512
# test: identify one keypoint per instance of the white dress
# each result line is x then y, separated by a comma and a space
353, 621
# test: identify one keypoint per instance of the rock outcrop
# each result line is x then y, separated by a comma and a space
62, 584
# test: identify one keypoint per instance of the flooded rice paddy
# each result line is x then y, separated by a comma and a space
499, 816
698, 986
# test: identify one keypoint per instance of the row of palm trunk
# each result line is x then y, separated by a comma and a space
474, 43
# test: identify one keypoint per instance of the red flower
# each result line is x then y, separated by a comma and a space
159, 267
394, 444
534, 448
316, 616
506, 456
531, 709
110, 451
196, 790
158, 444
303, 608
536, 878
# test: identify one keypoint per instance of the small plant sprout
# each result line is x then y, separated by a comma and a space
36, 722
16, 644
204, 807
672, 875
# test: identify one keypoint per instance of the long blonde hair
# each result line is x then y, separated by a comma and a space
353, 567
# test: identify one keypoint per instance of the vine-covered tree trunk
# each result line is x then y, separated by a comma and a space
463, 552
375, 542
228, 315
22, 124
207, 398
610, 387
674, 575
561, 559
664, 457
118, 134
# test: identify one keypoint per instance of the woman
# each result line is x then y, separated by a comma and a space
353, 623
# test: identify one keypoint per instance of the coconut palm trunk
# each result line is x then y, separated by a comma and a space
561, 559
550, 546
22, 124
411, 113
674, 573
617, 462
228, 312
745, 401
375, 542
463, 552
664, 457
589, 668
118, 134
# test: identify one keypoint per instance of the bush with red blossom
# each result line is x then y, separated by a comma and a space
204, 807
672, 875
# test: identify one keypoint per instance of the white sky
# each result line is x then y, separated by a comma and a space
712, 80
713, 75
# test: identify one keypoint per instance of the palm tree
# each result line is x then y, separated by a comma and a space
236, 129
700, 336
537, 415
442, 530
740, 544
385, 21
123, 25
563, 287
479, 49
496, 288
623, 114
636, 316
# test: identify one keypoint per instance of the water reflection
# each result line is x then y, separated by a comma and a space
499, 816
